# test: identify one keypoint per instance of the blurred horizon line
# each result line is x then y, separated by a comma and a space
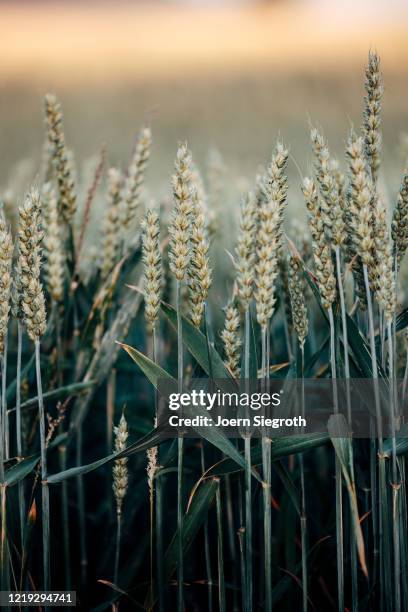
71, 42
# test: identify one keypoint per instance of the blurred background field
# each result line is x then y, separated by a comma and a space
232, 75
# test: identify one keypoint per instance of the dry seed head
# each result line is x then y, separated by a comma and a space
372, 114
61, 158
384, 280
231, 339
399, 226
269, 235
6, 257
245, 249
361, 202
111, 224
199, 271
284, 286
54, 265
297, 298
180, 224
324, 269
133, 187
274, 184
152, 465
31, 300
153, 271
267, 265
329, 180
120, 469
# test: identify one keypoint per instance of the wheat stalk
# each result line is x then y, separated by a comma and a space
32, 303
6, 254
300, 322
199, 271
179, 260
120, 484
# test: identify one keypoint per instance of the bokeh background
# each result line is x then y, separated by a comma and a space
233, 75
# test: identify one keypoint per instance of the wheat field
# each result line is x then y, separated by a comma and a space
287, 266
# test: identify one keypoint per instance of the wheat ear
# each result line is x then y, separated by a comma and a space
399, 225
54, 263
153, 269
34, 317
120, 483
297, 298
199, 271
61, 159
269, 234
245, 253
133, 185
372, 114
111, 224
231, 339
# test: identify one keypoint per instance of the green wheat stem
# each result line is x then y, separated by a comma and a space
207, 551
382, 492
158, 497
303, 516
44, 489
339, 490
266, 488
4, 551
117, 546
6, 437
220, 552
21, 499
241, 541
395, 480
180, 451
248, 482
62, 455
354, 576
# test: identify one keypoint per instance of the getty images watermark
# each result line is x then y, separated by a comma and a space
280, 407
